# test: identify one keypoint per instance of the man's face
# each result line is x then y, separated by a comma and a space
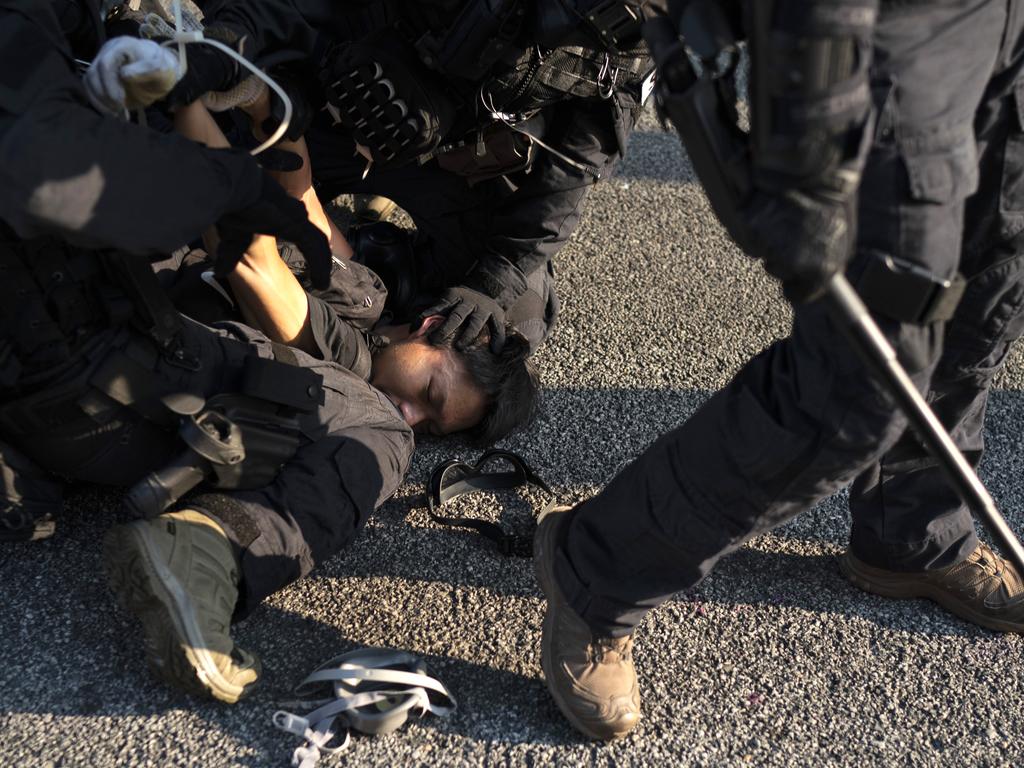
429, 385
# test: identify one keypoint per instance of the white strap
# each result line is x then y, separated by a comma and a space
353, 672
211, 280
344, 673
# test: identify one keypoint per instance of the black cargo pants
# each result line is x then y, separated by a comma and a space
355, 450
802, 419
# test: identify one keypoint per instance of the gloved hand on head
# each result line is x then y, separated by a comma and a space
468, 312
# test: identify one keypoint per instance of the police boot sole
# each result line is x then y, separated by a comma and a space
903, 587
173, 640
543, 569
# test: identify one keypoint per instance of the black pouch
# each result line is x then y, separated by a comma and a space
498, 150
381, 92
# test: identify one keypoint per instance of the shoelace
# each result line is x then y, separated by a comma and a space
602, 646
999, 569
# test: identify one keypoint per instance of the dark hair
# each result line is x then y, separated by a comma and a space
508, 379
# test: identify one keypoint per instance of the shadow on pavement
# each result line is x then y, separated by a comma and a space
76, 655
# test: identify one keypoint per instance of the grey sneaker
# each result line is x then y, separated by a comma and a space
984, 589
179, 577
592, 679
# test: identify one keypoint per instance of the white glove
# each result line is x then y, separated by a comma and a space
129, 73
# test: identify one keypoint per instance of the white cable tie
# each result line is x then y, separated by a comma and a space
286, 721
180, 38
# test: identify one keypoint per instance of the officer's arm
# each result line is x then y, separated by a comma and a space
536, 221
272, 26
299, 183
94, 180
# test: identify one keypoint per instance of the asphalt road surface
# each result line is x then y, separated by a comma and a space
773, 660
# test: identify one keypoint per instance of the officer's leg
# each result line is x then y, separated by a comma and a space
912, 535
799, 421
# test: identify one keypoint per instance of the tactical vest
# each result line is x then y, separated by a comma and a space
55, 299
438, 75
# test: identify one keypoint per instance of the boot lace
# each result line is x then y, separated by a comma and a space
994, 572
611, 649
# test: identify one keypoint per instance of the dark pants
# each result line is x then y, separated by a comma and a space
802, 419
452, 220
354, 453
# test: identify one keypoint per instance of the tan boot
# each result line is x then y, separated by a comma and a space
178, 575
592, 679
371, 208
984, 589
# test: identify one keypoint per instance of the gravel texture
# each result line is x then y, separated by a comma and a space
774, 660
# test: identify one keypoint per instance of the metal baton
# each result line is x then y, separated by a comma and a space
879, 355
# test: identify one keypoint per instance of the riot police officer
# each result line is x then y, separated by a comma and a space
101, 380
488, 122
864, 150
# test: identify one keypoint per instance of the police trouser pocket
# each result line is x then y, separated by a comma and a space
766, 454
942, 172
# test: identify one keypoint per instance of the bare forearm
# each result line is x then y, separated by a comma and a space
271, 298
268, 294
299, 183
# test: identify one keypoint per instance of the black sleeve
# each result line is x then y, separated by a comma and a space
298, 26
539, 217
91, 179
342, 315
272, 26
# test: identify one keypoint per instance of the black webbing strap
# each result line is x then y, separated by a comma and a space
454, 478
908, 293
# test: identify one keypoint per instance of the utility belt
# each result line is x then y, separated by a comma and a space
237, 439
234, 440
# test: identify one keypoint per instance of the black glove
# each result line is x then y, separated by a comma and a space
280, 160
804, 238
302, 96
468, 312
210, 69
276, 214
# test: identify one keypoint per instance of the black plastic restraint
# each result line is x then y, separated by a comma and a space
454, 478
